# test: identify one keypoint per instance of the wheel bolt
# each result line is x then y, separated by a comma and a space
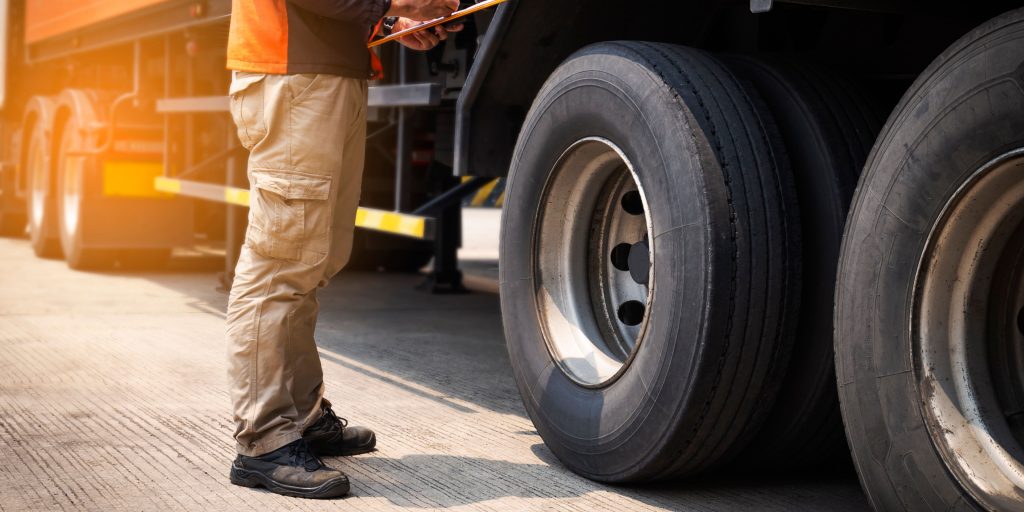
639, 262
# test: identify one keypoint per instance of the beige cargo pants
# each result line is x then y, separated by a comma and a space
306, 135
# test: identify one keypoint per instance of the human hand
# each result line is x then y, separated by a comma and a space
425, 39
422, 10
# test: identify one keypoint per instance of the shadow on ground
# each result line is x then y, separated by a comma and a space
450, 350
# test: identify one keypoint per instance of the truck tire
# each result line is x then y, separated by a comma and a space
828, 127
101, 223
41, 205
74, 173
650, 273
929, 318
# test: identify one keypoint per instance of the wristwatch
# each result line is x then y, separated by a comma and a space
389, 25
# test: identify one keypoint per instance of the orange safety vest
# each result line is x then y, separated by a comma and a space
305, 36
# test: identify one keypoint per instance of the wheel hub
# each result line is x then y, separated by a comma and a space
593, 262
969, 328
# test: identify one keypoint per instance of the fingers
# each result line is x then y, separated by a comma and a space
442, 31
441, 8
427, 38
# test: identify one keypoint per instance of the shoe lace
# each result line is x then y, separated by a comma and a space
334, 419
301, 455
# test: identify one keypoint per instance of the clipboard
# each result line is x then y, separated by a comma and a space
486, 4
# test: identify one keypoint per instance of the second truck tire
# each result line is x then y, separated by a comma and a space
828, 127
76, 173
930, 298
650, 273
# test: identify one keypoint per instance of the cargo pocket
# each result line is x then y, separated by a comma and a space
246, 102
289, 218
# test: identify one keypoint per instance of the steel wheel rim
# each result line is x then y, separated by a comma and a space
593, 306
968, 317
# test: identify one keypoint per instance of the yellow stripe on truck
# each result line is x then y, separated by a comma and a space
168, 185
368, 218
131, 179
488, 195
480, 199
391, 222
236, 196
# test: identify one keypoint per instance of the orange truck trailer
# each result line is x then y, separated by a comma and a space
118, 146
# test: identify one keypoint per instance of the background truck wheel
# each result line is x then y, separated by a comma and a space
929, 309
73, 198
108, 211
828, 128
37, 165
649, 278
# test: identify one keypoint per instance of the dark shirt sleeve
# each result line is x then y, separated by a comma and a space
364, 12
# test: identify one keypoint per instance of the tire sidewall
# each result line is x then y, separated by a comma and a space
661, 379
70, 241
42, 235
73, 243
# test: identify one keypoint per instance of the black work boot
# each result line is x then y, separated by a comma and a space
331, 436
291, 470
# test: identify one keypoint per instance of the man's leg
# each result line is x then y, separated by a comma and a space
267, 351
308, 389
307, 394
296, 167
349, 187
331, 435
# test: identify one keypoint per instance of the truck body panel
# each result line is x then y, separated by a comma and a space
48, 18
880, 39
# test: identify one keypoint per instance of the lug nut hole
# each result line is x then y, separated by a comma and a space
632, 203
620, 256
631, 312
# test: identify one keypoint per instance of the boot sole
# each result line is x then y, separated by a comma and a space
331, 489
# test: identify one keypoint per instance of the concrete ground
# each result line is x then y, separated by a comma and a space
113, 397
